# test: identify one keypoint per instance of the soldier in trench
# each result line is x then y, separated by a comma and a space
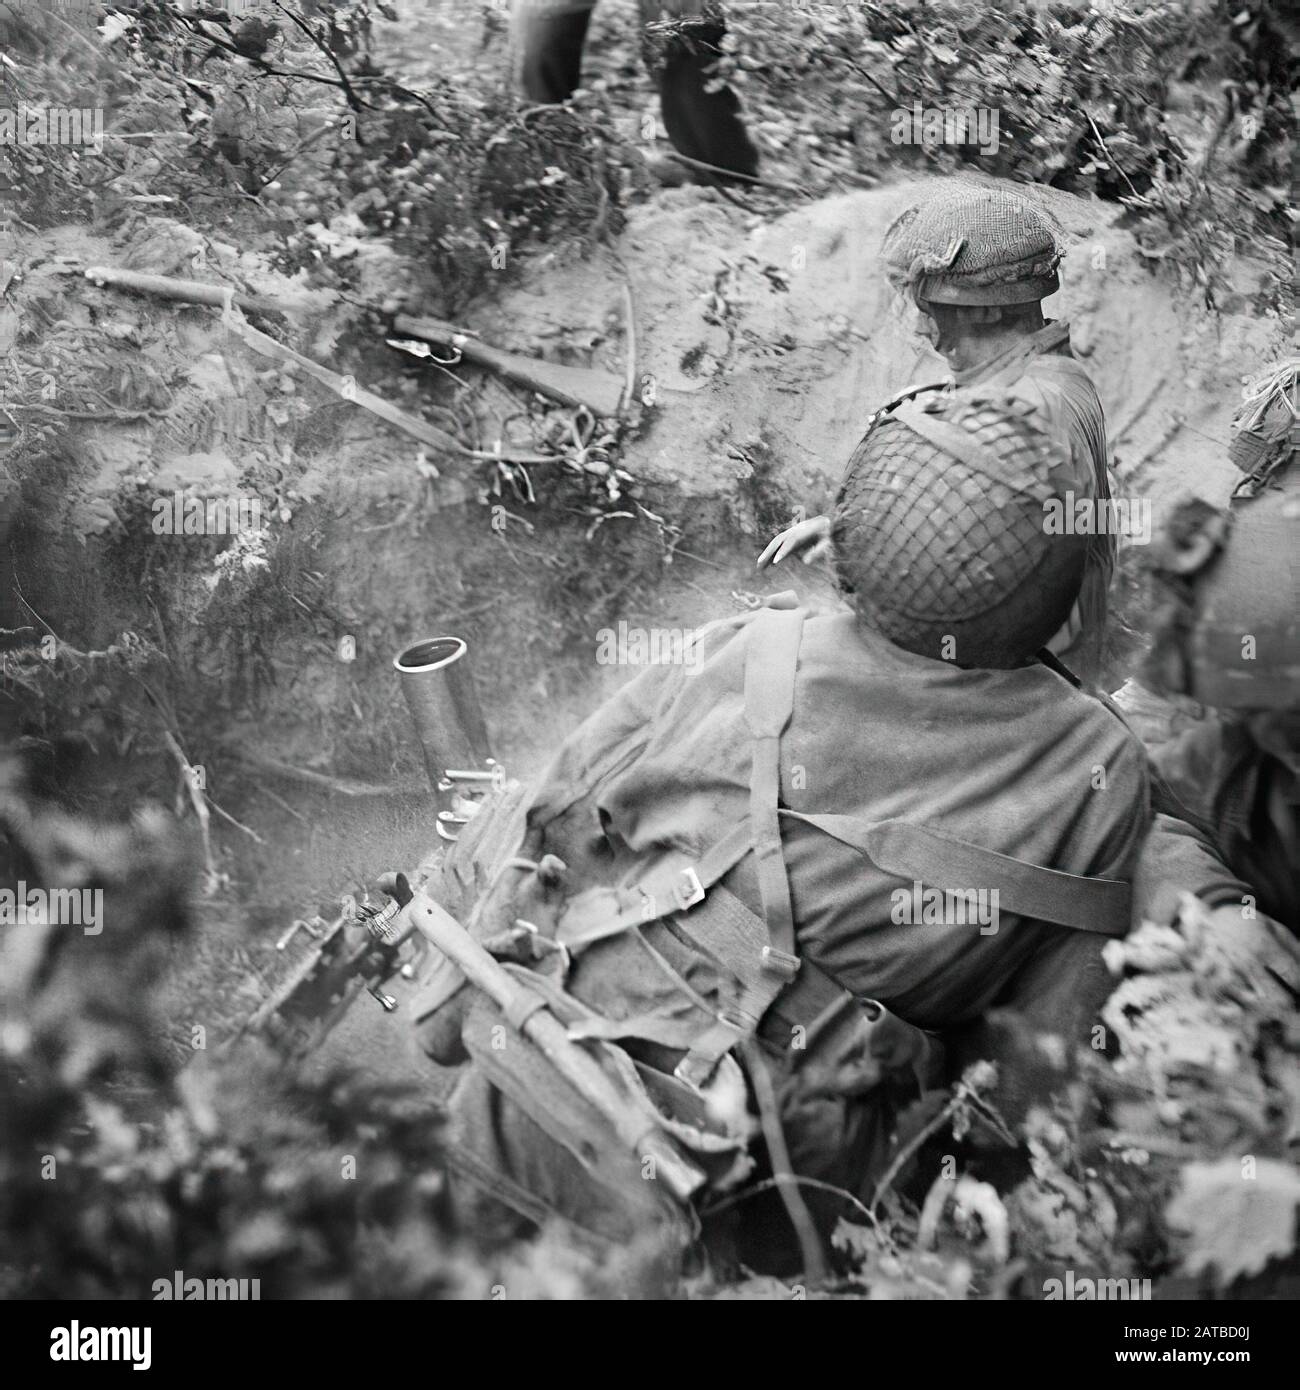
1227, 640
720, 869
977, 262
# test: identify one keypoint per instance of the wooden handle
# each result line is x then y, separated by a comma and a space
184, 291
636, 1129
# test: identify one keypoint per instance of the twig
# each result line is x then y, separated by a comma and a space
303, 145
855, 180
22, 598
1113, 162
629, 314
147, 134
343, 785
700, 559
239, 825
489, 455
400, 90
906, 1152
964, 1094
768, 1183
167, 287
731, 196
984, 1111
894, 100
810, 1247
197, 801
91, 414
280, 802
756, 179
201, 799
353, 100
265, 68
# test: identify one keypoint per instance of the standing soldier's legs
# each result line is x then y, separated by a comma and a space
546, 39
702, 124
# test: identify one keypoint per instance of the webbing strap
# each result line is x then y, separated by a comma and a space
675, 885
1008, 367
953, 440
770, 664
733, 935
920, 853
883, 413
724, 928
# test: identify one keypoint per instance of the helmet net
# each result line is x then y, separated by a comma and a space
929, 543
971, 235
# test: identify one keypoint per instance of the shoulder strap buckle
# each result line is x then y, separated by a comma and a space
779, 962
688, 890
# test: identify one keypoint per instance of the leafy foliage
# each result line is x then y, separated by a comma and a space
1233, 1226
290, 120
1172, 1160
286, 123
1112, 99
117, 1170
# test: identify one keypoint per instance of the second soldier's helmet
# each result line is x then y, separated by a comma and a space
1228, 630
1227, 583
941, 536
973, 244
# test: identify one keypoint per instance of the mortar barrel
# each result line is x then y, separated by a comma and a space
439, 691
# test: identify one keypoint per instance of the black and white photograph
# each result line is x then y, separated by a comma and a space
648, 653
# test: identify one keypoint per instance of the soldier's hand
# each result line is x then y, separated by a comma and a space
811, 539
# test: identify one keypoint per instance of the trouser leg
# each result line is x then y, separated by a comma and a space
548, 35
702, 124
547, 38
501, 1158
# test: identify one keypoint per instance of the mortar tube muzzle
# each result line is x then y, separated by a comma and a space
439, 691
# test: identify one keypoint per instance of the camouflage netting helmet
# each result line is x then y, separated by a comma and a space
940, 530
1228, 627
971, 244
